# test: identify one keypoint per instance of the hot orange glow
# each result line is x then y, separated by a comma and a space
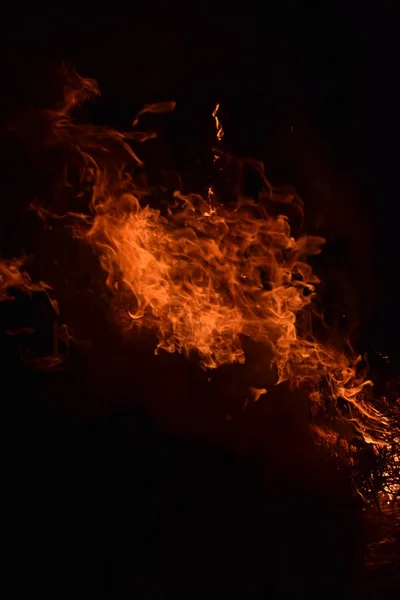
205, 274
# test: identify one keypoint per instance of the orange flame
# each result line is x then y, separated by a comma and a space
218, 125
12, 277
203, 277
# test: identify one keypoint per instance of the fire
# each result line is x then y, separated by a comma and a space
218, 125
201, 272
256, 393
13, 277
204, 274
203, 280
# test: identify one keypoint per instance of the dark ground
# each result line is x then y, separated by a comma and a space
105, 499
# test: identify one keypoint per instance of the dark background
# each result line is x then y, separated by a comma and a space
110, 502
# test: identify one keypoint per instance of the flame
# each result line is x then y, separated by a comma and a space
218, 124
13, 277
203, 280
205, 274
256, 393
156, 107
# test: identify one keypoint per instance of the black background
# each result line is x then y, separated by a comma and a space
109, 505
